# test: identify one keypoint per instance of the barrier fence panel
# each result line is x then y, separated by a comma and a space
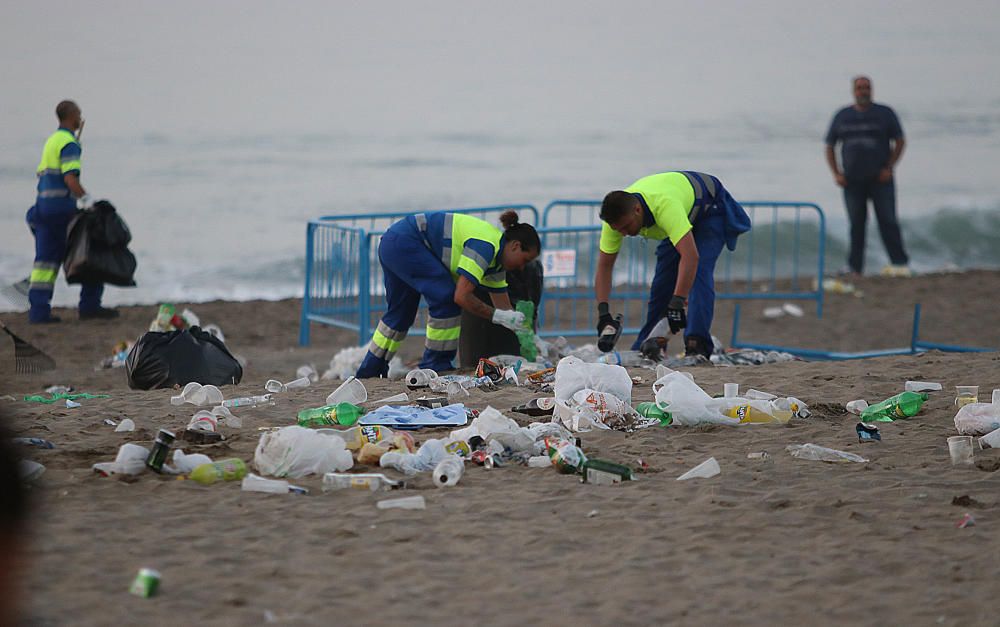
343, 285
781, 257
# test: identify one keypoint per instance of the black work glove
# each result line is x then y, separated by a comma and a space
676, 315
604, 318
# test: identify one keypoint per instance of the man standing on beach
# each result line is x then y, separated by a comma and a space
871, 140
59, 196
694, 217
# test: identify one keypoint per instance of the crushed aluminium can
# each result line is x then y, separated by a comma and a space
867, 432
146, 583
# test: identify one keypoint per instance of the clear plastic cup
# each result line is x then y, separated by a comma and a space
996, 397
203, 421
407, 502
704, 470
965, 394
396, 398
350, 391
960, 448
731, 390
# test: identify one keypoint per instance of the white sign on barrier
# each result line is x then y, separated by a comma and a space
559, 262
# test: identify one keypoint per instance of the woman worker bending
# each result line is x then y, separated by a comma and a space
444, 257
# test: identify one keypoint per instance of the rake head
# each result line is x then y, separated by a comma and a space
28, 359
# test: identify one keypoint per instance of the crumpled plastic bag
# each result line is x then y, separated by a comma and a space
425, 459
295, 452
977, 418
488, 422
687, 403
574, 374
815, 452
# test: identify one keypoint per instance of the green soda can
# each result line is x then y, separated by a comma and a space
146, 583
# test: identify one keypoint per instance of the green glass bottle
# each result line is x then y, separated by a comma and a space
526, 338
604, 472
342, 414
902, 405
650, 410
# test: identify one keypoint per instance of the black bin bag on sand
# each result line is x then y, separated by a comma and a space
162, 360
97, 248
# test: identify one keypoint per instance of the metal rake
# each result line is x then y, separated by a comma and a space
28, 359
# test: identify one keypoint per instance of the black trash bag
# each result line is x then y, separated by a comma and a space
162, 360
482, 338
97, 248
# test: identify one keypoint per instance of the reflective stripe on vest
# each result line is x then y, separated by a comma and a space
705, 188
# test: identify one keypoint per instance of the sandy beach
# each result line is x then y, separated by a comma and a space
779, 541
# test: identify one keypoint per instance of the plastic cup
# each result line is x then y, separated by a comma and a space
990, 440
274, 386
704, 470
731, 390
996, 397
408, 502
203, 421
965, 394
960, 447
396, 398
351, 391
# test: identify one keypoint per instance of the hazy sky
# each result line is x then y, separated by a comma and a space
139, 66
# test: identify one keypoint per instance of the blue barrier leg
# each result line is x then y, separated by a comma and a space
304, 320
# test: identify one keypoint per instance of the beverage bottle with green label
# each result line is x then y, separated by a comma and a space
650, 410
225, 470
344, 414
526, 338
902, 405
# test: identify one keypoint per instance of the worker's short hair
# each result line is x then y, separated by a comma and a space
860, 77
616, 205
65, 109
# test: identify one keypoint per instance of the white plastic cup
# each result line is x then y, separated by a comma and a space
253, 483
307, 371
203, 421
990, 440
407, 502
125, 425
420, 377
996, 397
922, 386
396, 398
960, 448
704, 470
965, 394
186, 394
350, 391
274, 386
301, 382
731, 390
858, 406
757, 395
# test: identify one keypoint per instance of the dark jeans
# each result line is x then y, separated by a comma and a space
883, 197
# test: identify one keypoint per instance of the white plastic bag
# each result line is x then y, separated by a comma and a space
601, 403
576, 418
184, 463
131, 460
488, 422
573, 375
427, 457
977, 419
687, 403
296, 452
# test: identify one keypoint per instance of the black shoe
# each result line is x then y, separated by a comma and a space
101, 313
49, 320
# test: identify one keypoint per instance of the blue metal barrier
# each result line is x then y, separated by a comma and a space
343, 283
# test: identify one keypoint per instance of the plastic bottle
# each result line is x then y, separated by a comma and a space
420, 378
609, 335
373, 482
526, 337
623, 358
758, 412
902, 405
537, 407
343, 414
448, 471
357, 436
650, 410
566, 456
225, 470
249, 401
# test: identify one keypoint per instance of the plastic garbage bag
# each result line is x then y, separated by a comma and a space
425, 459
184, 463
573, 375
687, 403
162, 360
977, 418
97, 248
818, 453
295, 451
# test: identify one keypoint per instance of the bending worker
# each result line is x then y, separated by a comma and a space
694, 216
444, 257
59, 196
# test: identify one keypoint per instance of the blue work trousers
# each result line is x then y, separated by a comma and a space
49, 222
709, 237
410, 270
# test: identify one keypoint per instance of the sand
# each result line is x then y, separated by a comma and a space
766, 542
